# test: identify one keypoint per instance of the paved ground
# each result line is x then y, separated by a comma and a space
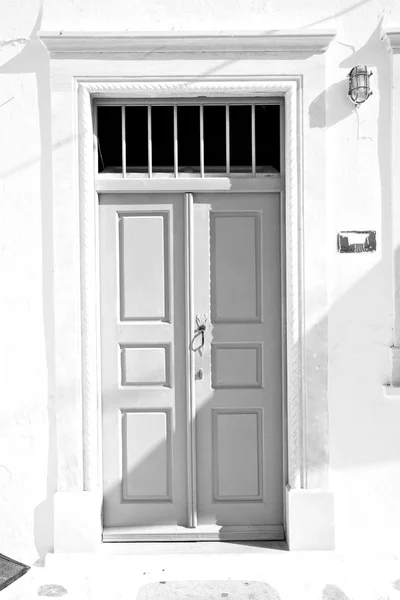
163, 572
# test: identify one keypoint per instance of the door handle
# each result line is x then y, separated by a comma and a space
201, 321
201, 329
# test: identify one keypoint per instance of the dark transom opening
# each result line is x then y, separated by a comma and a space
190, 139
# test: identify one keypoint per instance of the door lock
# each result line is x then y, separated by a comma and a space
199, 374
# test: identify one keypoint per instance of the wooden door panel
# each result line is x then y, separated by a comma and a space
143, 358
239, 399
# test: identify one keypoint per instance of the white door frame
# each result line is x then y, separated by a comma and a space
309, 503
88, 191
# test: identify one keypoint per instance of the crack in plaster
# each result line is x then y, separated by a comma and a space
13, 42
8, 472
1, 105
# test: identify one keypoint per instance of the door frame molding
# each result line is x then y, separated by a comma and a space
298, 76
294, 270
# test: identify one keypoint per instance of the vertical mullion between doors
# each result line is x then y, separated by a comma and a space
190, 390
201, 140
149, 143
176, 166
123, 123
253, 140
227, 141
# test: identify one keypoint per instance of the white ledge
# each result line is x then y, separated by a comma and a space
393, 36
391, 392
293, 41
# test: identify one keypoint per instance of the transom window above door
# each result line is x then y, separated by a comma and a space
241, 138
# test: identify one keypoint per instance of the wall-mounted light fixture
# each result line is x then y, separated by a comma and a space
359, 87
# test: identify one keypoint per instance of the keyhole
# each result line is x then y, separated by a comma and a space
199, 374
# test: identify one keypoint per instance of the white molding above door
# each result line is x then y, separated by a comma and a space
289, 41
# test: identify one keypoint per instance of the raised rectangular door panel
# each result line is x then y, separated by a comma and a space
237, 458
144, 266
235, 247
146, 455
236, 365
145, 365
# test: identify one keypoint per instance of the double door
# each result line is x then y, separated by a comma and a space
191, 354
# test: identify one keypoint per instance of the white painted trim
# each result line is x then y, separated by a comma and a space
277, 101
89, 289
195, 184
190, 397
293, 41
391, 392
77, 521
290, 89
201, 533
310, 524
393, 36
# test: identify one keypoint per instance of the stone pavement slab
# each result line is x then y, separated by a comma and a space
136, 572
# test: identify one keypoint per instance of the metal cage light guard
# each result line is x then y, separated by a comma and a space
359, 86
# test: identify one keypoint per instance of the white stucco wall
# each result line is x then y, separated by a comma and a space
364, 442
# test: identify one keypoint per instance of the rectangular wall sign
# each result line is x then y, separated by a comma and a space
356, 241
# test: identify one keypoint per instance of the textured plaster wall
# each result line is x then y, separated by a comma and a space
365, 447
27, 460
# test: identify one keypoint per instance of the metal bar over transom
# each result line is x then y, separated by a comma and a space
261, 139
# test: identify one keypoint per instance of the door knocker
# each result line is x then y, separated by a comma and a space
201, 321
